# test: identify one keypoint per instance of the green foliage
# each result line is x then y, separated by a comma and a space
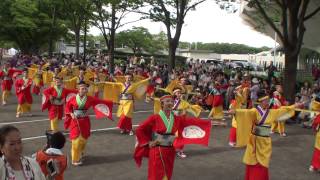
139, 39
28, 24
223, 48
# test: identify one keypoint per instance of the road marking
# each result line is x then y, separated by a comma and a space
92, 131
40, 120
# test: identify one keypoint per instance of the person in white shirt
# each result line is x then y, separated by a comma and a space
12, 164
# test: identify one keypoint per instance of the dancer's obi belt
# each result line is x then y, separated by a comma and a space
163, 139
7, 78
57, 101
262, 131
79, 113
126, 96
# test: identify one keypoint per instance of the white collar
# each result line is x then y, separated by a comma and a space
53, 151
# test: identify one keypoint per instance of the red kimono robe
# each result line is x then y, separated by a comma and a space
82, 126
23, 94
7, 81
55, 110
161, 159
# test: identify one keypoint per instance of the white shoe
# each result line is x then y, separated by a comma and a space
79, 163
181, 154
283, 134
122, 132
232, 144
4, 103
131, 133
18, 115
311, 169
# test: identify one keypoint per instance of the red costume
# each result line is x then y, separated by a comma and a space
161, 158
42, 158
23, 90
54, 109
7, 78
81, 126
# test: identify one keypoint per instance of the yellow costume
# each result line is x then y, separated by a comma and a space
112, 90
250, 122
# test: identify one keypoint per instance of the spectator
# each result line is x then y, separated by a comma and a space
51, 159
13, 165
254, 90
271, 70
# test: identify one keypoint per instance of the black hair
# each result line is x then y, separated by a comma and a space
55, 139
4, 131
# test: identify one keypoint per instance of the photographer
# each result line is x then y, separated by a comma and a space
51, 159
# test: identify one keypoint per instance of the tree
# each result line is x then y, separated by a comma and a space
108, 17
171, 13
292, 15
27, 24
137, 38
76, 12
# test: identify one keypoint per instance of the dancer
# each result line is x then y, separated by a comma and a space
78, 121
160, 134
54, 99
253, 130
6, 74
23, 92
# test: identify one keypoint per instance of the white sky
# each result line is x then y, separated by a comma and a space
208, 24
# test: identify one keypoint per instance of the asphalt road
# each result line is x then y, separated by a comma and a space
109, 154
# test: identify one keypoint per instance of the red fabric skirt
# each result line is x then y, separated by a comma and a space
6, 85
256, 172
233, 135
125, 123
161, 162
55, 111
36, 90
316, 159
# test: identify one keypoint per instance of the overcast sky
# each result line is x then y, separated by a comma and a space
208, 24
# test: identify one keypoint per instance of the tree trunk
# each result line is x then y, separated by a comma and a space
77, 34
51, 33
290, 76
112, 38
172, 54
85, 39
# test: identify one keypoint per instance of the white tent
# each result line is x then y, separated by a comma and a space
12, 52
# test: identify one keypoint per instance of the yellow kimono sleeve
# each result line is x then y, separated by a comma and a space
140, 88
32, 72
88, 76
244, 119
173, 84
120, 79
47, 77
195, 110
156, 105
137, 78
75, 71
315, 106
188, 88
34, 66
71, 83
317, 143
283, 113
45, 66
245, 94
111, 91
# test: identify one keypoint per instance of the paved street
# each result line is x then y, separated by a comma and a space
110, 153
